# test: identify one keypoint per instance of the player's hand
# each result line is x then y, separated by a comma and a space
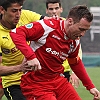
96, 93
34, 64
74, 80
24, 66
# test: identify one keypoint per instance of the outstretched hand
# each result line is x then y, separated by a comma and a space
96, 93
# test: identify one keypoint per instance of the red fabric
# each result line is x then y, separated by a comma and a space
51, 47
80, 71
1, 83
73, 60
57, 89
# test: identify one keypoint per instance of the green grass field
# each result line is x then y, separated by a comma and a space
94, 73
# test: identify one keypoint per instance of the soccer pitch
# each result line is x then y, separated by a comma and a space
94, 73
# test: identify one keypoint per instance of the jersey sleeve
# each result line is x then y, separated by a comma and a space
80, 71
29, 32
78, 68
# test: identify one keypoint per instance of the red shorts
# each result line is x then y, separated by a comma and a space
1, 83
56, 89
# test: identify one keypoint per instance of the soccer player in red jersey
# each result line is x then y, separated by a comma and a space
52, 41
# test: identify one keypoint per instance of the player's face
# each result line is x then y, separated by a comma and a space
54, 9
76, 30
12, 15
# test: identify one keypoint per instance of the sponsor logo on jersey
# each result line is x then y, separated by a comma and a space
7, 51
60, 54
14, 49
5, 38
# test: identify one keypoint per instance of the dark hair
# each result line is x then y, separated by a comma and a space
80, 11
7, 3
52, 1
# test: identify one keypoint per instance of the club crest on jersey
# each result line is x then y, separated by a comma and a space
29, 25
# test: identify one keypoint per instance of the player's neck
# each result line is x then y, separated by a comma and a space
6, 25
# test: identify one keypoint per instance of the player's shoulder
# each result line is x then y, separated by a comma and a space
3, 31
29, 12
26, 12
54, 23
30, 15
4, 35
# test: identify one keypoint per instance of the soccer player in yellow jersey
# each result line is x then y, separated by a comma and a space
54, 8
11, 58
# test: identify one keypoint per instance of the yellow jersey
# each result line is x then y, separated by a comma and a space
10, 54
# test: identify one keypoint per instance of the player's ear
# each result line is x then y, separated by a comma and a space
61, 9
70, 21
1, 10
46, 11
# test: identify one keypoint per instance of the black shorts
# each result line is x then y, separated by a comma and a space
14, 93
67, 75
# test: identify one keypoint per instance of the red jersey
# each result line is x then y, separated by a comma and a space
1, 82
51, 46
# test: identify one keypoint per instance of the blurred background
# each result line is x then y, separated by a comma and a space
91, 41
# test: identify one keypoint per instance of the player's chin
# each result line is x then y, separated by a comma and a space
15, 23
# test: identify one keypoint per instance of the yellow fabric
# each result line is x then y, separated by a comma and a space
10, 54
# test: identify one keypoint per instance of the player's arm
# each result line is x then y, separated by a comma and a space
29, 32
78, 68
80, 71
6, 70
